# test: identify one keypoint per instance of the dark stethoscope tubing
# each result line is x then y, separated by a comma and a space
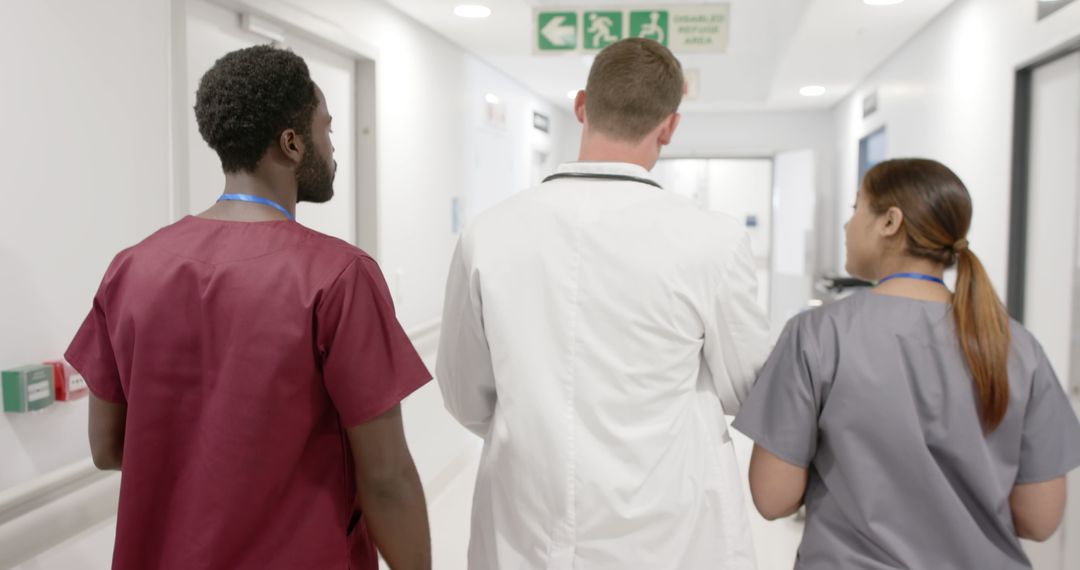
606, 177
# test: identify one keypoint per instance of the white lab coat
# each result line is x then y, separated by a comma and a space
592, 332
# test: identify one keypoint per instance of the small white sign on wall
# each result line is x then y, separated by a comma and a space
495, 113
693, 84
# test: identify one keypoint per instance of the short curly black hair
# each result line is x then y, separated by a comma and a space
248, 98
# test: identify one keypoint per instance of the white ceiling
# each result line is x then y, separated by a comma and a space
776, 47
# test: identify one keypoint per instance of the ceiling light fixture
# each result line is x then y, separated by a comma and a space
812, 91
491, 98
472, 11
881, 2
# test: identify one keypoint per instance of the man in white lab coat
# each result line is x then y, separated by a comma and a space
596, 331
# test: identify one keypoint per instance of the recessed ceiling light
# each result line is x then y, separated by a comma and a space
491, 98
884, 2
812, 91
472, 11
572, 94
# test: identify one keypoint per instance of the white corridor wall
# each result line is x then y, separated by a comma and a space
948, 95
85, 95
98, 110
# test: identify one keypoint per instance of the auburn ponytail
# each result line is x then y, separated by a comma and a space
937, 214
982, 326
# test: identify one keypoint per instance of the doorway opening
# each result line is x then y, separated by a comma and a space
346, 78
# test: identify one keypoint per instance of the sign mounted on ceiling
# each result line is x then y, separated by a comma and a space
557, 31
601, 29
688, 28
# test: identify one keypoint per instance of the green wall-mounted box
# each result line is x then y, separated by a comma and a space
28, 388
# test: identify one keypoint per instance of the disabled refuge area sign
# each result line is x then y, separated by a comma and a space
683, 28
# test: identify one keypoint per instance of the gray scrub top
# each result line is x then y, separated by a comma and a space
872, 393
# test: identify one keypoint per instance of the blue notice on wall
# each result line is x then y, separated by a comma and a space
871, 151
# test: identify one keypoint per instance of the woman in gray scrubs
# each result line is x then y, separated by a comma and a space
922, 428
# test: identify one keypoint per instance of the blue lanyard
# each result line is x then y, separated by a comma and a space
920, 276
256, 200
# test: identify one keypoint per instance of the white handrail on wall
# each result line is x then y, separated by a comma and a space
32, 519
21, 499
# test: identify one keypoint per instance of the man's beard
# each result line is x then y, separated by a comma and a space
314, 177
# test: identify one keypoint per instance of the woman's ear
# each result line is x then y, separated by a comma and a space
891, 221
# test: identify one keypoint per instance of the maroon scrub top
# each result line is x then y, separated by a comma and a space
243, 350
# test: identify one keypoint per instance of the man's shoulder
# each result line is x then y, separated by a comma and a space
715, 224
698, 223
510, 212
335, 252
151, 242
683, 216
330, 245
318, 252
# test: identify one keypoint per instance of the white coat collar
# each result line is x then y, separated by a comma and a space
604, 170
616, 168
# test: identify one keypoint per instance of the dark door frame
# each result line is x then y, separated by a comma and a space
1021, 170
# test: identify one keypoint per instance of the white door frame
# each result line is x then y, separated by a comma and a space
309, 28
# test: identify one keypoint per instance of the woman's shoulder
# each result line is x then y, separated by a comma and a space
832, 314
1024, 347
1020, 335
821, 328
868, 315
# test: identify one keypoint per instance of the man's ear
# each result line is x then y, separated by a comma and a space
579, 106
668, 128
291, 145
891, 222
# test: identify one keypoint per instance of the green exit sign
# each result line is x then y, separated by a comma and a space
557, 31
602, 29
650, 24
681, 27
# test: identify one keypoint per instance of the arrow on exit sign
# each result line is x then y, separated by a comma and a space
557, 31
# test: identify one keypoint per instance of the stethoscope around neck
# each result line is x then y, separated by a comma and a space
605, 177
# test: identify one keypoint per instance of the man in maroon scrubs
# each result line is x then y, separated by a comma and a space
247, 371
